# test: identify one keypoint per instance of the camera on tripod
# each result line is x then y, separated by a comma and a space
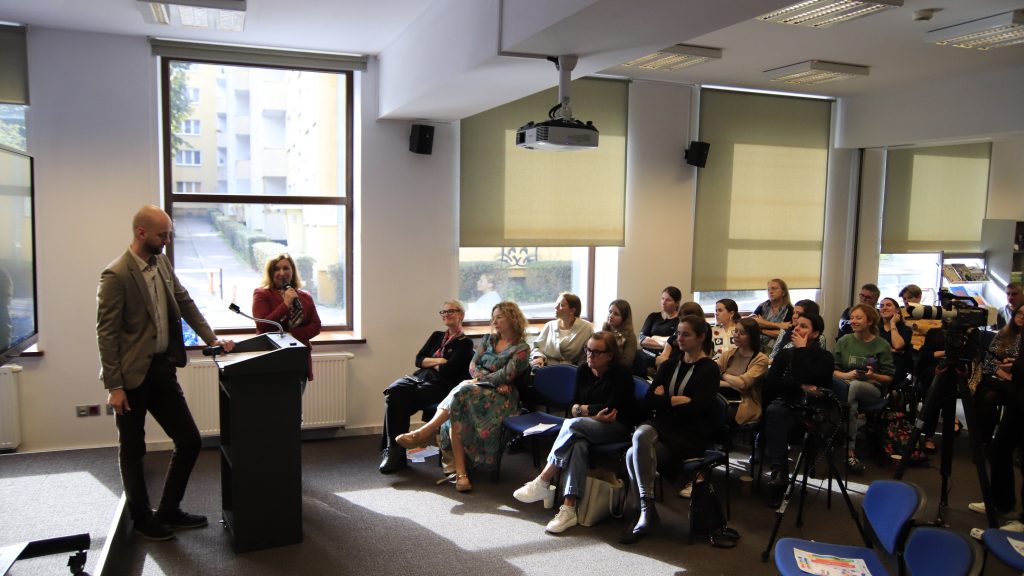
817, 408
961, 317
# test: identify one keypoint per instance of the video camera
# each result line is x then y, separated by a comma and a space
961, 317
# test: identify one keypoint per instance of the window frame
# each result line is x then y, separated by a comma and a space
345, 203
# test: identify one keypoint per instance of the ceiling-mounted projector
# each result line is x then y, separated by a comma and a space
562, 131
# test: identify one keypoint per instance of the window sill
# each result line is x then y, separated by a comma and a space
322, 339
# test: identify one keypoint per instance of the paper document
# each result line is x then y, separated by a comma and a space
829, 565
1018, 545
421, 454
538, 429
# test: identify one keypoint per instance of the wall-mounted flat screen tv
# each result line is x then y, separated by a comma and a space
19, 322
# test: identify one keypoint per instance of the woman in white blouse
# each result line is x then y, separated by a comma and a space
561, 341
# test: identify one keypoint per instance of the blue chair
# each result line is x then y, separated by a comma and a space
931, 550
998, 542
554, 387
889, 509
617, 450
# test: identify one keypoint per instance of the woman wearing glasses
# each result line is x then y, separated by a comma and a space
441, 363
682, 399
470, 416
281, 299
603, 411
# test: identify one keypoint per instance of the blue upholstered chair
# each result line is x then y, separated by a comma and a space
932, 550
889, 509
999, 543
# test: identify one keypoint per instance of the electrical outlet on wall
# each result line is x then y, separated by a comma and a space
81, 411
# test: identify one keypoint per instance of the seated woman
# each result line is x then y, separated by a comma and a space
801, 368
995, 388
727, 318
1010, 435
896, 332
279, 299
658, 329
671, 348
774, 314
742, 369
561, 341
604, 411
784, 340
863, 368
442, 362
470, 416
682, 397
620, 323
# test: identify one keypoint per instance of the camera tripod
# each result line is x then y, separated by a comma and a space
950, 383
814, 436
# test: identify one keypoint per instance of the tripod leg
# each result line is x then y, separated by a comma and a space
849, 503
977, 450
780, 512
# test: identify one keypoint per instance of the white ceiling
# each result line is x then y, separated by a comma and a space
889, 42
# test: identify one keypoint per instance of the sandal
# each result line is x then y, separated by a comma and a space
462, 483
411, 440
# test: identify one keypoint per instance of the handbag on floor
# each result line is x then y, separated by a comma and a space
602, 497
707, 518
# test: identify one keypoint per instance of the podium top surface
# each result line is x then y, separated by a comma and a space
271, 352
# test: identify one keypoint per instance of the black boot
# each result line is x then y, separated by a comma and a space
392, 459
648, 520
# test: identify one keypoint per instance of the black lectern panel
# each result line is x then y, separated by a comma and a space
260, 420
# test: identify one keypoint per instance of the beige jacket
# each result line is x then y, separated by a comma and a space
126, 326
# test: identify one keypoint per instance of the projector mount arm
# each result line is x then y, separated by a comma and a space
565, 65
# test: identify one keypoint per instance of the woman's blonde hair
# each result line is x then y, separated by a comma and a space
514, 314
268, 271
455, 304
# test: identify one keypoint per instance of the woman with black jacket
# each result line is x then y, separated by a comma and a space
682, 400
801, 369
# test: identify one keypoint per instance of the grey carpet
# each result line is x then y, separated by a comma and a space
357, 521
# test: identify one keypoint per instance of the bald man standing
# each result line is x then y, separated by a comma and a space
139, 307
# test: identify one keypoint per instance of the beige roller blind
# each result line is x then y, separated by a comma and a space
761, 197
510, 196
255, 56
13, 65
935, 198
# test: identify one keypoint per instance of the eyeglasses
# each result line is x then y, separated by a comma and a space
447, 312
590, 350
864, 296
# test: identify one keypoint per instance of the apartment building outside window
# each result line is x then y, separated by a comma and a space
281, 183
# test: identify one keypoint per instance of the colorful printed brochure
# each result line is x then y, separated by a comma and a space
823, 565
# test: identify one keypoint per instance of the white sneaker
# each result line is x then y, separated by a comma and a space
535, 490
566, 518
1013, 526
686, 491
978, 507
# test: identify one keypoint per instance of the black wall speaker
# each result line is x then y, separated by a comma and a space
697, 153
421, 139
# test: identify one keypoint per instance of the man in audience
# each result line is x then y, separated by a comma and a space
911, 296
140, 304
869, 294
1014, 298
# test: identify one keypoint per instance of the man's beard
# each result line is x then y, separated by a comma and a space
154, 250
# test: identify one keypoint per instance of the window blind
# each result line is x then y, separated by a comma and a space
761, 198
510, 196
254, 56
935, 198
13, 65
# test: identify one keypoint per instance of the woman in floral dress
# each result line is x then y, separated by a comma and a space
470, 417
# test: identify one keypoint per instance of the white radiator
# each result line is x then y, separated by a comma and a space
10, 412
323, 404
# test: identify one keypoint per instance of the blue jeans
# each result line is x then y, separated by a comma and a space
571, 449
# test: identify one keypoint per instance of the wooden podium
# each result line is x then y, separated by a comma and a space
260, 458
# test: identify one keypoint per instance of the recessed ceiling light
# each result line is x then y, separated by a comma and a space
815, 72
227, 15
996, 31
675, 57
825, 13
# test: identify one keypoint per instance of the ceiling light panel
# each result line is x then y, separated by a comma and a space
675, 57
996, 31
825, 13
227, 15
815, 72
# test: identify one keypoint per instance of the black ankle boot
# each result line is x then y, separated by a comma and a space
392, 460
648, 520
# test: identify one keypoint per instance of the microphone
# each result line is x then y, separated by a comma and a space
296, 304
234, 308
213, 350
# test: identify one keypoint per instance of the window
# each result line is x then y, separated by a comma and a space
531, 277
748, 300
12, 126
761, 198
281, 182
189, 127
